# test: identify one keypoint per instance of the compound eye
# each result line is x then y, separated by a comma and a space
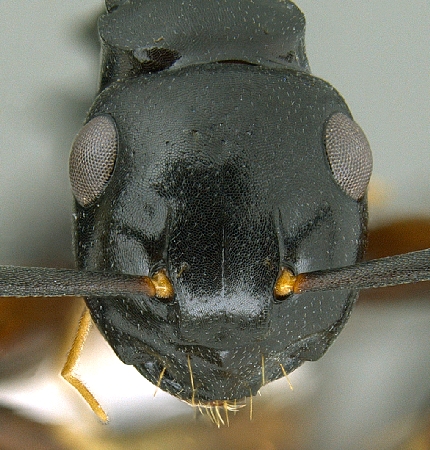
92, 159
349, 154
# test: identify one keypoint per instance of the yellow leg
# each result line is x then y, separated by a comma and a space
72, 359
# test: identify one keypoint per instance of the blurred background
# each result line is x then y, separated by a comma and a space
371, 390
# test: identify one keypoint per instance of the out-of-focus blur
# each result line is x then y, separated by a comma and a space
371, 390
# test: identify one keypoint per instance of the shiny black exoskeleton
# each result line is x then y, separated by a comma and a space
218, 159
